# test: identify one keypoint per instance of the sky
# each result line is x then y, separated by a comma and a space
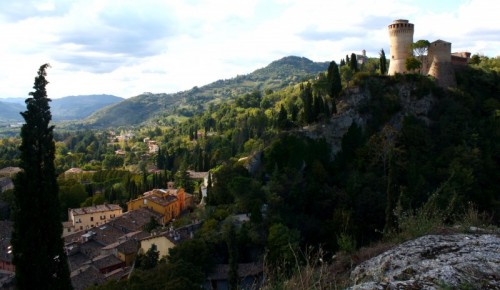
127, 47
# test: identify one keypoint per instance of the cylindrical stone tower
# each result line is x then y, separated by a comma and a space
401, 38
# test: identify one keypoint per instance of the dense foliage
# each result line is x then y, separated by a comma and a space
267, 163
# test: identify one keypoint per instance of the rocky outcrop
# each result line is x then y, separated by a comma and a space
434, 262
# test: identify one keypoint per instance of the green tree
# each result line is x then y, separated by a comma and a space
347, 73
475, 59
383, 63
420, 48
37, 244
307, 100
413, 64
150, 259
71, 195
353, 63
282, 122
334, 83
232, 248
283, 245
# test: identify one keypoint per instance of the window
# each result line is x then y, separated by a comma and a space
91, 218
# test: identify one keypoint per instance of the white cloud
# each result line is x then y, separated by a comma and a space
128, 47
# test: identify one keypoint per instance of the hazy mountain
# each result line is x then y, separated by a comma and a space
9, 111
275, 76
19, 101
80, 107
67, 108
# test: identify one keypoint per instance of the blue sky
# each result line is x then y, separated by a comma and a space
127, 47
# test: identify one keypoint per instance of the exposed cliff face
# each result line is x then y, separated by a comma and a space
349, 112
434, 262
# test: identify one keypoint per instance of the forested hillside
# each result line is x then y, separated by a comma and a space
168, 108
329, 164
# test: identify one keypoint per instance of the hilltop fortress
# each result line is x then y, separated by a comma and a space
439, 62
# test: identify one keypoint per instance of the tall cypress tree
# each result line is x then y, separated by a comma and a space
353, 63
383, 63
334, 83
307, 100
38, 252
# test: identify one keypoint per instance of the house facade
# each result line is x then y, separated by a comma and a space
85, 218
168, 202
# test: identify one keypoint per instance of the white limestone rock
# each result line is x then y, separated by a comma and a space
434, 261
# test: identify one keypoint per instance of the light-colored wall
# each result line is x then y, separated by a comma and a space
169, 211
90, 220
401, 40
161, 242
439, 54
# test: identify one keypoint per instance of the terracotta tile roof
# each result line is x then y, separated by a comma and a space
117, 274
76, 260
127, 244
85, 277
95, 209
110, 232
104, 261
178, 235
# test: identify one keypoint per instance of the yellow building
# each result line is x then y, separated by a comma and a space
167, 202
88, 217
166, 240
161, 241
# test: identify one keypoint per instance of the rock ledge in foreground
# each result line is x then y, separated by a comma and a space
434, 261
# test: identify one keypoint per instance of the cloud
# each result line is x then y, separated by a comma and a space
126, 47
14, 11
99, 37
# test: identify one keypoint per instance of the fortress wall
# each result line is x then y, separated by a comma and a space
441, 68
440, 51
444, 74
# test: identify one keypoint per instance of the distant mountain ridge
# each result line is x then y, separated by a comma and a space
80, 107
10, 111
277, 75
63, 109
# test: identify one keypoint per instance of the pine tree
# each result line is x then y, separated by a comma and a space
38, 252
